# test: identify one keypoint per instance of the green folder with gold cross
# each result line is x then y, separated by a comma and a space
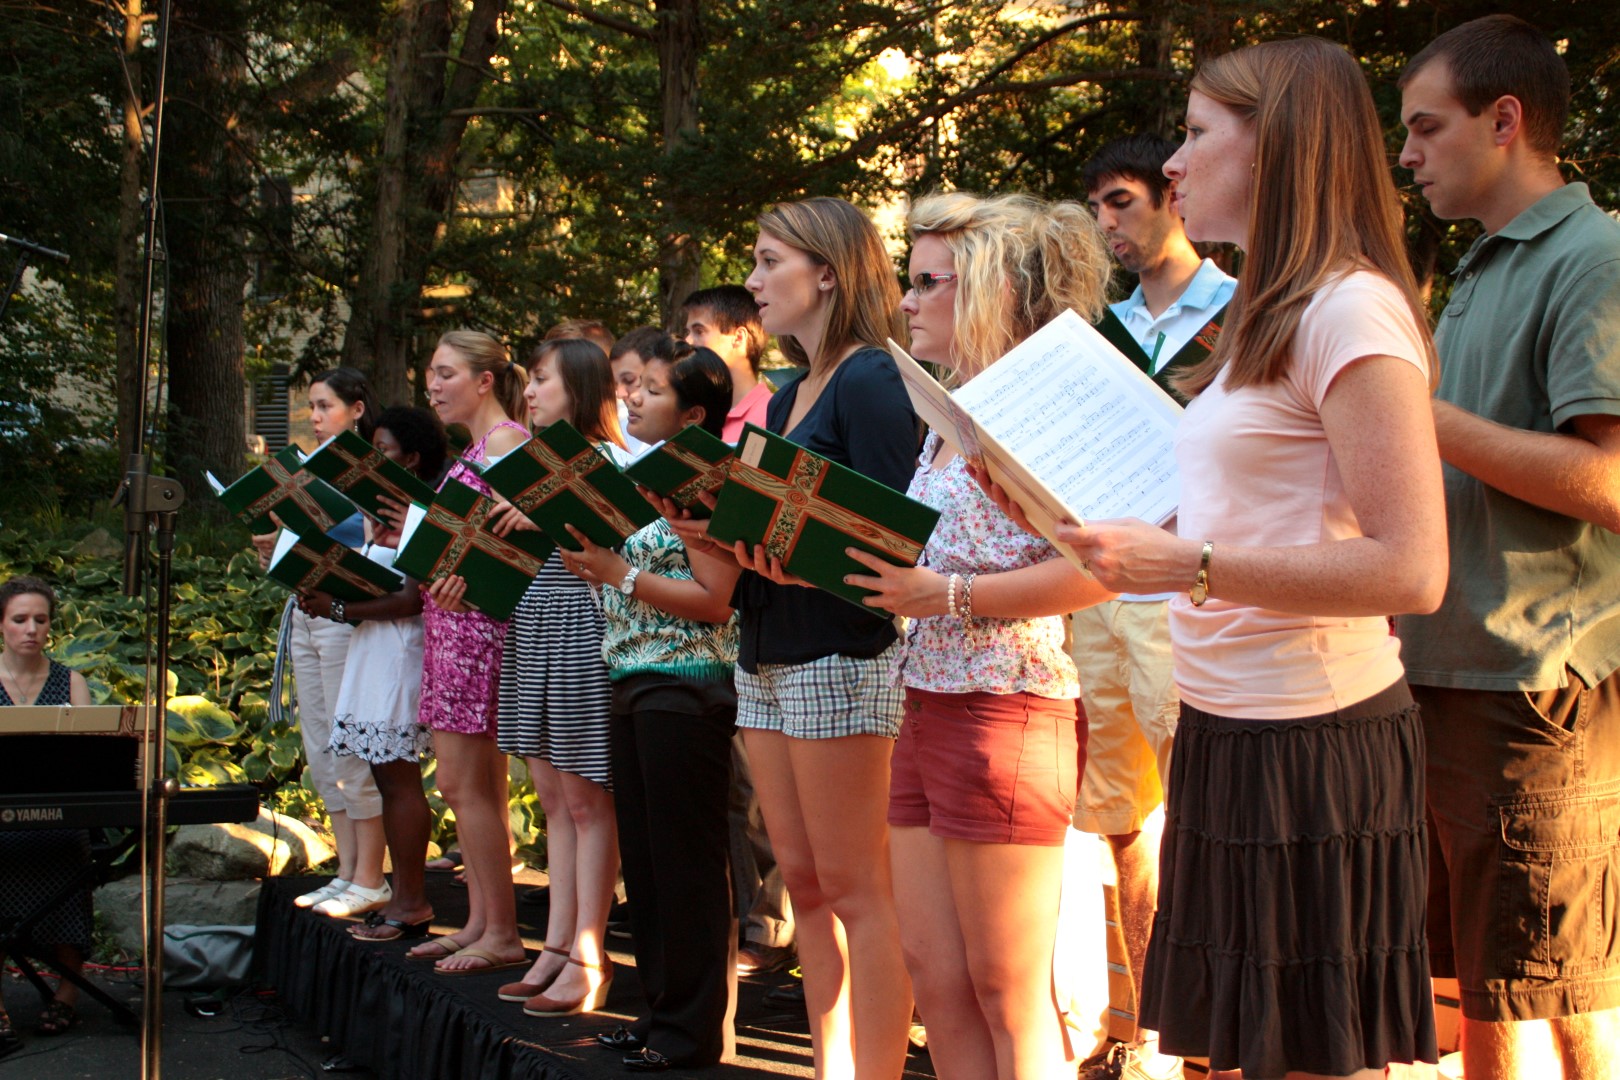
806, 510
305, 503
318, 563
364, 474
558, 478
451, 535
688, 464
1197, 347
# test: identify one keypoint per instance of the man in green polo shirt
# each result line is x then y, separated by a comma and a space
1516, 673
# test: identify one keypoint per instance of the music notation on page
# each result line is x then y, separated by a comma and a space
1065, 423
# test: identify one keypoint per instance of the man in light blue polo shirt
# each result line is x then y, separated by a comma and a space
1122, 648
1177, 294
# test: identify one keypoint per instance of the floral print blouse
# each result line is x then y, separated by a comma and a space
951, 654
643, 639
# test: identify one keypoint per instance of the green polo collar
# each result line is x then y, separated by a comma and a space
1546, 212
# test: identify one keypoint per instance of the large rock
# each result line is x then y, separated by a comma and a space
99, 545
185, 902
274, 844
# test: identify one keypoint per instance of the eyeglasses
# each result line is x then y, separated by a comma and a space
922, 284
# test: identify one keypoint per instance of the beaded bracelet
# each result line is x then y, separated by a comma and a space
967, 597
950, 595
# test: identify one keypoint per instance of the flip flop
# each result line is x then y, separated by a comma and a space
447, 863
491, 963
56, 1018
445, 945
380, 929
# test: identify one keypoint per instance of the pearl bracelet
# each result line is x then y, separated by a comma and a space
950, 595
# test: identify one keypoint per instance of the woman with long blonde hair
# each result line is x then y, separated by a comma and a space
818, 713
988, 763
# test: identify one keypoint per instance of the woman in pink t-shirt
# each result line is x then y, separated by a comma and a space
1290, 931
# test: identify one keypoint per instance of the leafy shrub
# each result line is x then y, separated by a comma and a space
221, 655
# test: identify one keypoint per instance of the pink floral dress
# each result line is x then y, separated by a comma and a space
954, 655
461, 650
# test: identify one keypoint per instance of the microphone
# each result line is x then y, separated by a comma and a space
37, 249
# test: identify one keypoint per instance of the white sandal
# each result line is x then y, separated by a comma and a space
325, 892
355, 900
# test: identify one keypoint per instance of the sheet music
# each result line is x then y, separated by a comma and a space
415, 514
648, 450
1096, 430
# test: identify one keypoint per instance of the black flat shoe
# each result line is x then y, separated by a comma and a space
790, 996
621, 1039
647, 1060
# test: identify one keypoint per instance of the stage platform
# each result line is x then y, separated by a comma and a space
402, 1021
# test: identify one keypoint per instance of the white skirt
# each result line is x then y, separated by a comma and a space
376, 715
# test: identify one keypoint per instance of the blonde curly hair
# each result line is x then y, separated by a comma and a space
1020, 261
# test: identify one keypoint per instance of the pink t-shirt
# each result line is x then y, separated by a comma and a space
750, 410
1257, 471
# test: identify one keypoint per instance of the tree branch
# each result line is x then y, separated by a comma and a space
870, 142
623, 26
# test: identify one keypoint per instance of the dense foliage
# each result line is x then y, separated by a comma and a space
393, 170
343, 181
221, 653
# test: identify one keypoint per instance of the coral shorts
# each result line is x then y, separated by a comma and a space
992, 768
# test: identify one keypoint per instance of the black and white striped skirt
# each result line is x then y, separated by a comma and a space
555, 697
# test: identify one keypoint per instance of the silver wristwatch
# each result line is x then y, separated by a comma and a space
628, 585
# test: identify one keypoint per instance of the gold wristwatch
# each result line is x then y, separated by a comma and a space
1200, 586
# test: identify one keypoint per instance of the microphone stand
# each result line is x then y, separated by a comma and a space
152, 504
27, 248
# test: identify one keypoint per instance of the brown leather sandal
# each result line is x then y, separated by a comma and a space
544, 1005
523, 991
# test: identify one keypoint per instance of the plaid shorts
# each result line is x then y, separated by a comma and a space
824, 699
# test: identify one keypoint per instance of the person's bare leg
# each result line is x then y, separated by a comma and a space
407, 824
1583, 1047
452, 750
475, 785
1589, 1044
71, 959
562, 893
369, 842
849, 841
820, 939
1007, 903
959, 1042
596, 869
1136, 866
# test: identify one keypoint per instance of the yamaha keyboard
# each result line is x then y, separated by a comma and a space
122, 809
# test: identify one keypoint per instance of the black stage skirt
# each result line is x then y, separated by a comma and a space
1292, 885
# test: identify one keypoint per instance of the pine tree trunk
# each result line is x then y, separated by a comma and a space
1156, 39
205, 184
680, 45
416, 183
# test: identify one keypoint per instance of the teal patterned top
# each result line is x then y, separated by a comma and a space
642, 639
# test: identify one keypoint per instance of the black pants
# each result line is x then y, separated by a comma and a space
671, 777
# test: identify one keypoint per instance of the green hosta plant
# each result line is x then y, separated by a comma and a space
221, 654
